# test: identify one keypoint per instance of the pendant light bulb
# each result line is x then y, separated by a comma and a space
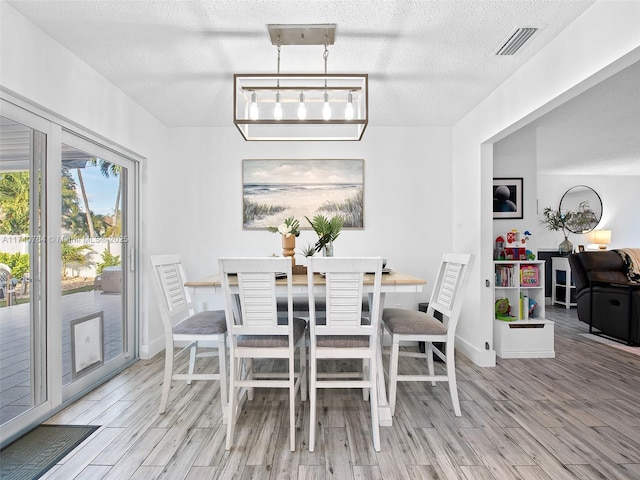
302, 108
277, 110
348, 113
326, 109
253, 108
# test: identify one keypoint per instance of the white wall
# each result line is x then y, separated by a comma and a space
515, 156
573, 61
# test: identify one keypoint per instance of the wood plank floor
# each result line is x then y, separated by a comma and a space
573, 417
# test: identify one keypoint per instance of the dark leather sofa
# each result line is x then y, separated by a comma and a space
603, 274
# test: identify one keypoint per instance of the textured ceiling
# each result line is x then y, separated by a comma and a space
429, 62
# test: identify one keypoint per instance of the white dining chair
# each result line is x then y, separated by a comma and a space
257, 332
183, 325
409, 325
343, 332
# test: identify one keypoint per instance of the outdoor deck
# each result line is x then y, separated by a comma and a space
16, 344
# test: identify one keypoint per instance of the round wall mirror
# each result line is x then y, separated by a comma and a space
582, 207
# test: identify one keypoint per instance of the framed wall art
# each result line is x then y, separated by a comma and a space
507, 198
87, 352
273, 190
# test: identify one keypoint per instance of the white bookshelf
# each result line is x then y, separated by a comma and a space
527, 336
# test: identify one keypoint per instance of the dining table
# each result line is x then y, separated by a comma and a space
393, 281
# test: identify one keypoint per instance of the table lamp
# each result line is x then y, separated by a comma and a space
602, 238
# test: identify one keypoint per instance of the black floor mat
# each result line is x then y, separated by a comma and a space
31, 455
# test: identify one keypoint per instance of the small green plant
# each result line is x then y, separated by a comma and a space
308, 250
108, 260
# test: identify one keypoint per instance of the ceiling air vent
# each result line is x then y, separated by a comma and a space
516, 40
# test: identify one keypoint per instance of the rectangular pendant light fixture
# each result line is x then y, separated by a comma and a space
304, 107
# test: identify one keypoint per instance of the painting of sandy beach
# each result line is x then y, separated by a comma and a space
277, 189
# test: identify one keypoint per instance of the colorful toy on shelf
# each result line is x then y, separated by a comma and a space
498, 251
503, 309
516, 248
529, 276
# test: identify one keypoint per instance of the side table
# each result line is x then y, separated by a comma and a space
561, 265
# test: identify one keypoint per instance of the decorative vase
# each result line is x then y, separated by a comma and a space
327, 250
288, 247
566, 246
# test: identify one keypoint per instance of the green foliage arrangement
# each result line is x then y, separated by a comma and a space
326, 229
579, 221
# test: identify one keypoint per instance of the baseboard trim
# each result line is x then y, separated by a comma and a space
482, 358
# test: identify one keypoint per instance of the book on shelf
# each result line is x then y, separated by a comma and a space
529, 276
505, 276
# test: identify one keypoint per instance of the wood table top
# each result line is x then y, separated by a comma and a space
391, 278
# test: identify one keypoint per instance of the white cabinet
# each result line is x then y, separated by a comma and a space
563, 290
523, 332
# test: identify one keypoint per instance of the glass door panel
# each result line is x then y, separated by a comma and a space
97, 314
22, 372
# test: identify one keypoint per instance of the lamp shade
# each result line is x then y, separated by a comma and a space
602, 237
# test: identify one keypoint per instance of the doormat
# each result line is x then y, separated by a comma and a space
612, 343
31, 455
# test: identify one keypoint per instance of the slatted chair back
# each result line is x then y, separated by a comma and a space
448, 289
170, 279
344, 278
253, 280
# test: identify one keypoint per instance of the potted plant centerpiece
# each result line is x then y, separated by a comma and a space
289, 229
327, 231
568, 221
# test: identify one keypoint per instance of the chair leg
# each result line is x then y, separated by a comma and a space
393, 372
312, 402
451, 375
303, 370
292, 404
365, 374
249, 368
430, 366
192, 361
166, 382
231, 416
222, 363
375, 421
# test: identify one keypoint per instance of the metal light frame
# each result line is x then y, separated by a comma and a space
254, 97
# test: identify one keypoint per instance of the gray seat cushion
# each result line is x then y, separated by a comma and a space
209, 322
299, 325
342, 341
409, 322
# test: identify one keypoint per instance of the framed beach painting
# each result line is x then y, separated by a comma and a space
273, 190
507, 198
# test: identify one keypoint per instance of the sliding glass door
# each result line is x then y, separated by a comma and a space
68, 268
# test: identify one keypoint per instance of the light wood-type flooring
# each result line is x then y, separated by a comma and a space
573, 417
